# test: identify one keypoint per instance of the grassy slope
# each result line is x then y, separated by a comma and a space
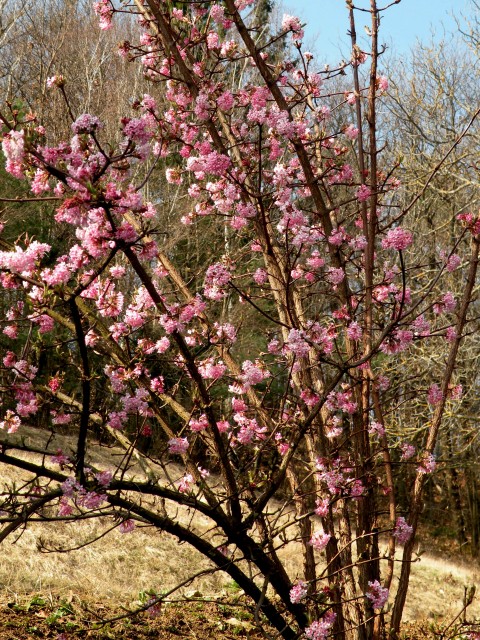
113, 571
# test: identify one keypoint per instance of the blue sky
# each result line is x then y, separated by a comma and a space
402, 25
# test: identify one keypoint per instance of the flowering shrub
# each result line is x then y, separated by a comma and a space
293, 399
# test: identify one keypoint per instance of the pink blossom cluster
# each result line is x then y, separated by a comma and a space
74, 492
86, 123
470, 221
446, 304
253, 373
249, 431
341, 401
397, 342
376, 429
103, 478
293, 24
434, 395
60, 458
408, 451
211, 370
320, 629
354, 331
186, 483
126, 526
11, 422
139, 130
297, 344
216, 277
398, 238
322, 507
198, 424
178, 446
104, 11
298, 592
403, 531
319, 540
363, 193
13, 147
338, 478
23, 260
427, 464
351, 131
377, 594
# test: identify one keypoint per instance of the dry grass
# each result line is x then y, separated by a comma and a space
117, 567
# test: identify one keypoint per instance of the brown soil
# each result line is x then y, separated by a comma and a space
35, 618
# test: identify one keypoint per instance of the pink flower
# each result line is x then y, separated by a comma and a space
310, 398
212, 370
173, 176
320, 629
138, 130
398, 342
357, 489
321, 507
86, 124
377, 594
65, 508
398, 239
298, 592
104, 11
319, 540
253, 373
216, 163
292, 23
351, 132
186, 483
11, 331
217, 13
456, 392
62, 418
11, 422
199, 424
376, 428
60, 458
225, 101
117, 419
283, 448
351, 98
127, 526
434, 395
45, 322
449, 302
55, 81
13, 146
354, 331
382, 83
40, 182
216, 277
260, 276
213, 41
408, 451
104, 478
454, 261
427, 464
90, 499
297, 344
335, 276
403, 531
451, 334
223, 426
